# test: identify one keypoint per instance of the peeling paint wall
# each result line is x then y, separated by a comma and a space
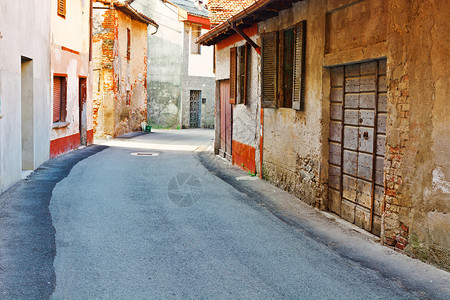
418, 146
295, 166
24, 32
120, 84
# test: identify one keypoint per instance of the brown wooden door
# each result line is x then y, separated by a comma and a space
357, 142
226, 118
82, 111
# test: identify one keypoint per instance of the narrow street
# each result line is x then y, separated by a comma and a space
159, 216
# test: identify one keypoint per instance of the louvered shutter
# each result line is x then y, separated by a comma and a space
246, 71
298, 98
56, 99
62, 8
233, 73
269, 70
63, 99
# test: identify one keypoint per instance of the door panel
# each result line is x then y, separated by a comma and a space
82, 111
226, 118
357, 142
194, 109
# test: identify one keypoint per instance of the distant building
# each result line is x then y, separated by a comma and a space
120, 67
180, 72
25, 88
71, 76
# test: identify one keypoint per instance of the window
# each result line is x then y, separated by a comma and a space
128, 43
239, 68
195, 33
62, 8
283, 68
59, 99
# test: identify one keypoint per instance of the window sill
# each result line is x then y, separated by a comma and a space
58, 125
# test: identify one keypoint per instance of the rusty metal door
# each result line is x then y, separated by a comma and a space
226, 119
194, 109
358, 109
82, 111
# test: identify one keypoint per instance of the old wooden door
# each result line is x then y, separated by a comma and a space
194, 109
226, 119
82, 111
357, 142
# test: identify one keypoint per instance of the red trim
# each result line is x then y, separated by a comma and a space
64, 144
251, 31
90, 137
70, 50
261, 145
243, 156
199, 20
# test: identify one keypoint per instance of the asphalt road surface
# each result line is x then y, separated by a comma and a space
158, 216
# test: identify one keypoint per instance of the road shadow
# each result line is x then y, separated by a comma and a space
27, 235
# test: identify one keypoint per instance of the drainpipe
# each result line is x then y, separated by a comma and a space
91, 10
246, 37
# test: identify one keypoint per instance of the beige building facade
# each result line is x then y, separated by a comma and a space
71, 76
345, 107
120, 68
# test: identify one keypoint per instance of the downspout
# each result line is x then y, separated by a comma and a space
245, 36
91, 12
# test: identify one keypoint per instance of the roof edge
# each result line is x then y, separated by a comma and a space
226, 25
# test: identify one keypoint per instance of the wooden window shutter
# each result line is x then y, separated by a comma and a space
62, 8
246, 71
233, 73
298, 95
56, 99
63, 99
128, 43
269, 70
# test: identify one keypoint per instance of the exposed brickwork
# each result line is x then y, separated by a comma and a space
399, 109
120, 90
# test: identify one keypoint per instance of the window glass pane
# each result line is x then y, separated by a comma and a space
288, 67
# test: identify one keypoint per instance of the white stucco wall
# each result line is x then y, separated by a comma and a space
24, 31
201, 64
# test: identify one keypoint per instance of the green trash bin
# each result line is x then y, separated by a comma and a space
148, 128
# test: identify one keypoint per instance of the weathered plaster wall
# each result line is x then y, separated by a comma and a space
116, 77
165, 58
418, 144
105, 33
132, 76
24, 31
295, 166
72, 61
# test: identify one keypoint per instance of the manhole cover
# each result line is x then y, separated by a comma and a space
145, 153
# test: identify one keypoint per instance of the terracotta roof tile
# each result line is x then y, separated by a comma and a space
221, 10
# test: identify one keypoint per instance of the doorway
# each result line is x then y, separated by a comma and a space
358, 112
82, 111
27, 113
194, 109
226, 120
